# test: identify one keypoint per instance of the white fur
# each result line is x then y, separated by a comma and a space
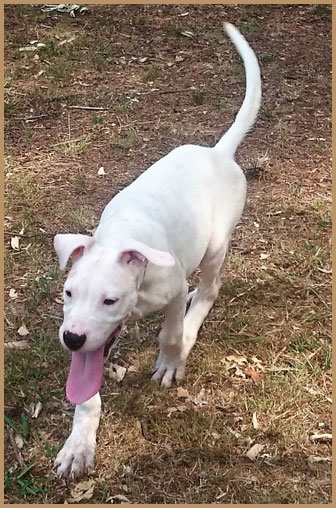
177, 216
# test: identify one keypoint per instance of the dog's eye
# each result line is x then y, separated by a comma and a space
110, 301
68, 293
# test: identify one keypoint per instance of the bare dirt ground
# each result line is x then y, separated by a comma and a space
162, 87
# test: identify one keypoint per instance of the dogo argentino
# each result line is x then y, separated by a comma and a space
177, 216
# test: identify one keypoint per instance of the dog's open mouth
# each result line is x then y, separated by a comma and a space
86, 371
111, 340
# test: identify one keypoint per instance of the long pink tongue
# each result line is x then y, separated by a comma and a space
85, 376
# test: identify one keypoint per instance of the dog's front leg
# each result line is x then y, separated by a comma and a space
171, 360
77, 454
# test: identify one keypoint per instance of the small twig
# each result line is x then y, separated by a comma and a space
90, 108
9, 233
30, 118
163, 92
69, 128
58, 318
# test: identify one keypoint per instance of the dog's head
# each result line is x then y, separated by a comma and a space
99, 293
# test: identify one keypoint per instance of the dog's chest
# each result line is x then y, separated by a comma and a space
148, 301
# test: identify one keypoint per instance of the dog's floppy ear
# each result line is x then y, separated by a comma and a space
73, 245
138, 253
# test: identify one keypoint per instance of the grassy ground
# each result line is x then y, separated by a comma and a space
161, 88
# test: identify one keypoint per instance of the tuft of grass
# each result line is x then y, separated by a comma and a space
73, 146
150, 75
97, 120
9, 162
83, 218
50, 49
179, 31
125, 141
8, 81
266, 58
322, 11
24, 10
9, 108
247, 27
198, 97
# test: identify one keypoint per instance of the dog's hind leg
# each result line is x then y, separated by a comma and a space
206, 292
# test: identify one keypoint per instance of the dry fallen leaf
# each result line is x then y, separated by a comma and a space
13, 294
236, 359
255, 422
255, 451
19, 441
116, 372
182, 393
252, 373
17, 344
37, 410
239, 373
257, 362
23, 330
119, 497
83, 490
198, 400
174, 409
234, 432
15, 240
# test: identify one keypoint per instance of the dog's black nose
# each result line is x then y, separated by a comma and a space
73, 341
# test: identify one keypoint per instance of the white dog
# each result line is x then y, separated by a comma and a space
177, 216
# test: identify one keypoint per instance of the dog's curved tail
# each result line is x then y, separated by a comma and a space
250, 107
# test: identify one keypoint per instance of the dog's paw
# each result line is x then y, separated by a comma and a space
167, 370
76, 457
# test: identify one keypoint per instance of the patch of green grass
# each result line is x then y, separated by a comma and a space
179, 31
9, 162
97, 120
80, 183
322, 11
22, 194
28, 132
100, 58
73, 146
323, 208
8, 81
247, 27
198, 97
50, 49
25, 10
30, 371
60, 71
218, 103
9, 108
266, 58
305, 341
83, 218
41, 289
150, 75
126, 141
23, 484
